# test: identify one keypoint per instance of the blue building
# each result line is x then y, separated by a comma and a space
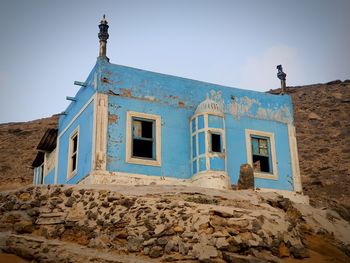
131, 126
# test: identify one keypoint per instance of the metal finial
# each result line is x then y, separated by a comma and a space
103, 36
282, 76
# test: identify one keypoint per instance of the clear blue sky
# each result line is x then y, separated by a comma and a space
46, 45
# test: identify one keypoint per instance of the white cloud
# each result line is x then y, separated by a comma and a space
260, 73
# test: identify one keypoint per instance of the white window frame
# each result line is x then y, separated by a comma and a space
157, 161
250, 133
207, 137
71, 173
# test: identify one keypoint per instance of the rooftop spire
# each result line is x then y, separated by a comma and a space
103, 36
282, 76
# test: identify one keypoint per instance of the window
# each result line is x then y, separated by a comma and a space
73, 153
41, 176
143, 139
261, 154
216, 142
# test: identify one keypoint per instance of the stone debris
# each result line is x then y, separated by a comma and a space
249, 227
246, 177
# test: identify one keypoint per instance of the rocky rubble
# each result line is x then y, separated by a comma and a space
323, 135
176, 224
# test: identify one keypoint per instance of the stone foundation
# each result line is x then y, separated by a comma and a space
217, 180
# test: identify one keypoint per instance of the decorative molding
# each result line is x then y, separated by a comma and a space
99, 160
64, 130
294, 158
207, 131
128, 156
248, 133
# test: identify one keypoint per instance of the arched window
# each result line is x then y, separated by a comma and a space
208, 138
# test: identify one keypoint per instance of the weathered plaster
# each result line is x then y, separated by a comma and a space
123, 89
247, 107
209, 180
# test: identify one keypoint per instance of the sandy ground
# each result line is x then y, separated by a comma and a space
9, 258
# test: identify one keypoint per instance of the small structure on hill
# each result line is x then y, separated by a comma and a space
131, 126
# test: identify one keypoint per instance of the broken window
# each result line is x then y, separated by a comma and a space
143, 138
74, 152
216, 142
261, 154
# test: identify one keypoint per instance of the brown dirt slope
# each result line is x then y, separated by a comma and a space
322, 120
18, 142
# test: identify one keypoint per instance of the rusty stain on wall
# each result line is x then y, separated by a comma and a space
181, 104
112, 118
126, 93
105, 80
111, 92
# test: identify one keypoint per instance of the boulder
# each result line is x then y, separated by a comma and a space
246, 177
156, 252
204, 252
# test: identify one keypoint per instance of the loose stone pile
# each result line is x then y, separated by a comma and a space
171, 227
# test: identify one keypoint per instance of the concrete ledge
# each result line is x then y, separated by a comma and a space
217, 180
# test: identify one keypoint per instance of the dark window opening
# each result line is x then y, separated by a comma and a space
142, 148
142, 142
261, 155
216, 143
261, 164
74, 154
75, 143
41, 179
74, 162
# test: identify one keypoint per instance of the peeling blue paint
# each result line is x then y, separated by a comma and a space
174, 100
50, 177
135, 88
85, 124
217, 164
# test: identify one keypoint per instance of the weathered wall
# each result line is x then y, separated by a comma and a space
78, 113
236, 151
85, 123
175, 100
50, 177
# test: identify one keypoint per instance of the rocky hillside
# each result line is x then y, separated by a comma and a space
322, 120
18, 142
166, 224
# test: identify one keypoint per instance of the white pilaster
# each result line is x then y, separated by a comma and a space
294, 158
100, 132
